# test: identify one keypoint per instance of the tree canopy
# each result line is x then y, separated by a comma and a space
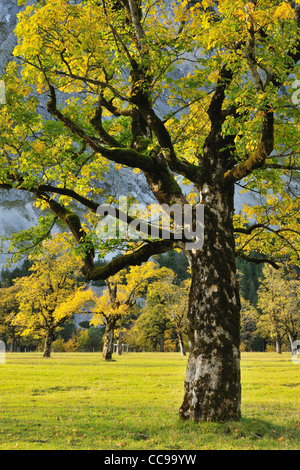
105, 86
50, 296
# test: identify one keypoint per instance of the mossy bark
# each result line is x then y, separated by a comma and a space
48, 343
212, 384
108, 341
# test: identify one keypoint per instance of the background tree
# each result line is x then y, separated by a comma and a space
177, 262
50, 296
249, 275
171, 303
221, 67
8, 275
249, 319
153, 324
121, 294
9, 306
279, 301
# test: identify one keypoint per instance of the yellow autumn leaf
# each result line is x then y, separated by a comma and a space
206, 4
240, 14
284, 12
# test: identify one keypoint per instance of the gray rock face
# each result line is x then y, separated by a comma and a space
16, 211
8, 19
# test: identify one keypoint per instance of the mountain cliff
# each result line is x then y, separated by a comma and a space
16, 211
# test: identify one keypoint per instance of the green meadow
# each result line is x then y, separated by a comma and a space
76, 401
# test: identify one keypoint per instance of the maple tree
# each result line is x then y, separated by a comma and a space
279, 301
226, 70
8, 310
170, 300
121, 294
50, 296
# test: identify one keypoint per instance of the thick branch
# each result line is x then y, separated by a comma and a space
258, 158
96, 122
180, 166
124, 156
215, 113
134, 7
73, 223
259, 86
135, 258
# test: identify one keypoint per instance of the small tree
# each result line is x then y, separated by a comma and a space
279, 301
51, 294
121, 294
8, 310
249, 319
172, 300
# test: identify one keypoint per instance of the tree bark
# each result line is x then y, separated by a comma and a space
48, 343
119, 343
162, 342
181, 344
292, 338
12, 344
108, 342
212, 384
278, 343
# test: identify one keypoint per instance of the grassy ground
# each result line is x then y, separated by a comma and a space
77, 401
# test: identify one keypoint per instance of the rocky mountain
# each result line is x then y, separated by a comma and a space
8, 19
16, 208
16, 211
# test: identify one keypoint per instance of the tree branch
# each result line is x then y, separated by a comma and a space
251, 259
124, 156
135, 258
281, 167
249, 230
266, 146
134, 8
258, 158
215, 108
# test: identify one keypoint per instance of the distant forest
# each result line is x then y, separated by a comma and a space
249, 273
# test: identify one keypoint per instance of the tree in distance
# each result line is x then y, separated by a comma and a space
167, 303
279, 302
121, 294
50, 296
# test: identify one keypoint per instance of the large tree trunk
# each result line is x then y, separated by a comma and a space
48, 344
278, 343
108, 342
12, 344
212, 384
181, 344
292, 338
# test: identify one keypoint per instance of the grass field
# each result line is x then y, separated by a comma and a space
77, 401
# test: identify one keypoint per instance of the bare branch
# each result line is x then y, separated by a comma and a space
252, 259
